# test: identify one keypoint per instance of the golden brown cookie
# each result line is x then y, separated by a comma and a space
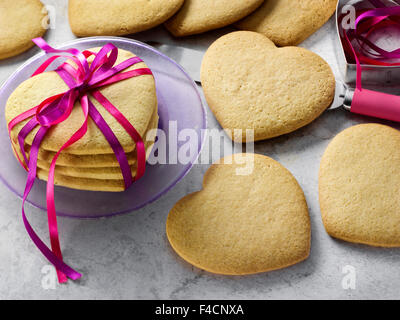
198, 16
112, 173
242, 224
135, 98
106, 173
251, 84
359, 186
84, 183
96, 160
20, 22
96, 172
118, 17
288, 22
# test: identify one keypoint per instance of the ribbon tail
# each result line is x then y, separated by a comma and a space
63, 270
52, 223
51, 208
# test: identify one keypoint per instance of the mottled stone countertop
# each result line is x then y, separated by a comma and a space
128, 257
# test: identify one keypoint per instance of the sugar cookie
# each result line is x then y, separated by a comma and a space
135, 98
96, 172
20, 22
96, 160
118, 17
113, 173
198, 16
106, 173
83, 183
241, 225
251, 84
359, 186
288, 22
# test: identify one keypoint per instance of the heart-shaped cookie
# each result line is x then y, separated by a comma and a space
251, 84
242, 224
359, 186
135, 98
198, 16
289, 22
118, 17
20, 22
101, 161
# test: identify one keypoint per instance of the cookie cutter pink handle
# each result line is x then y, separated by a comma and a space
376, 104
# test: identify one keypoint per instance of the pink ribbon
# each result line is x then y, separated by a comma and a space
81, 80
357, 44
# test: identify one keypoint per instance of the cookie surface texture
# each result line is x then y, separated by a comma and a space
20, 22
249, 83
135, 98
118, 17
242, 224
198, 16
359, 186
288, 22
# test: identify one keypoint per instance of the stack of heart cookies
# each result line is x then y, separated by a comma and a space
90, 163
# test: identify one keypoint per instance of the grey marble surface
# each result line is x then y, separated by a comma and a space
128, 257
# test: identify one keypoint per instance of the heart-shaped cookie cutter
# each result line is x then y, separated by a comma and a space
377, 77
373, 103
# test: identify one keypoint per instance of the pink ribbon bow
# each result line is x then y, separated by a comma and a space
81, 80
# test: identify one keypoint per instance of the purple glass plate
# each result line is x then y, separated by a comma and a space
179, 101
